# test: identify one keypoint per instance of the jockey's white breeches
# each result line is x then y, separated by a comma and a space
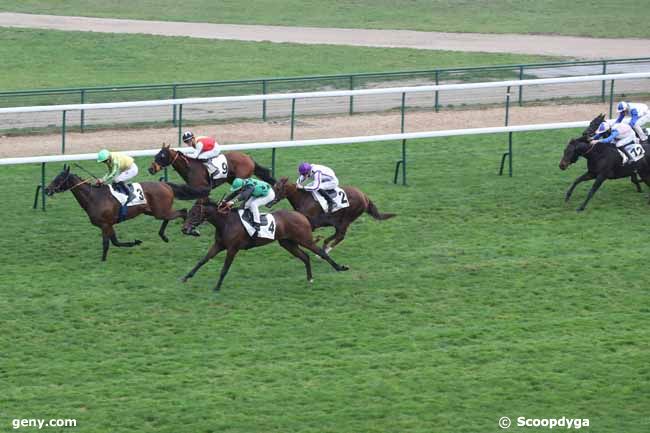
254, 203
127, 174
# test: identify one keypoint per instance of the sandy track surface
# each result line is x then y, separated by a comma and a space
306, 128
579, 47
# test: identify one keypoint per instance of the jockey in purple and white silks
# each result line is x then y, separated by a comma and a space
320, 178
620, 134
638, 116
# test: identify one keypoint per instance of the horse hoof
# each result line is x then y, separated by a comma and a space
327, 250
184, 279
137, 242
580, 209
311, 280
343, 268
165, 238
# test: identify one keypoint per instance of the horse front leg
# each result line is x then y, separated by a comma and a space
586, 176
226, 265
293, 248
599, 181
635, 180
213, 251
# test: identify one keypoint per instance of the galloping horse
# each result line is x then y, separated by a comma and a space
103, 209
292, 231
304, 202
603, 162
195, 174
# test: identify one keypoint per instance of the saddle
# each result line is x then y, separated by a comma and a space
248, 217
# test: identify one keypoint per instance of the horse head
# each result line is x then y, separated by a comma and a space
60, 182
195, 217
576, 147
280, 190
162, 159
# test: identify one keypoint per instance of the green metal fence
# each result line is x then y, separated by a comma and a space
319, 82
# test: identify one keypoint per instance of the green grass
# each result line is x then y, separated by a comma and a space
72, 59
580, 17
486, 297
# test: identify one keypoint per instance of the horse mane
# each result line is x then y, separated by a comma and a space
593, 125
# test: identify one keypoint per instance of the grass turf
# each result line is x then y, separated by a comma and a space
72, 59
486, 297
493, 16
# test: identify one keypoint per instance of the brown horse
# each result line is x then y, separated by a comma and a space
292, 230
103, 209
304, 202
195, 174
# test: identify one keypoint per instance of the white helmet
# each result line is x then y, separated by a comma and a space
622, 106
603, 127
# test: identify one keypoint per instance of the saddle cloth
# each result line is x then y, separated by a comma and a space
217, 167
339, 196
136, 188
634, 149
267, 224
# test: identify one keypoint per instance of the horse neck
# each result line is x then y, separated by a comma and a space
182, 166
295, 197
215, 218
81, 192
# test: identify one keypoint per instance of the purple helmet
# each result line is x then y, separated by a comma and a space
304, 168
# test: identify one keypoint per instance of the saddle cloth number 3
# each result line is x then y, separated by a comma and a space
635, 150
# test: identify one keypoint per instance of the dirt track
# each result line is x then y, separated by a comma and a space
306, 128
579, 47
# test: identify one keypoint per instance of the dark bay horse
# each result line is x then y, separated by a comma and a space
304, 202
603, 162
195, 174
292, 231
103, 209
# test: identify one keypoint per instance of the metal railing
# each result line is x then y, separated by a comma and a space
356, 81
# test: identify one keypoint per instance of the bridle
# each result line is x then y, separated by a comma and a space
59, 187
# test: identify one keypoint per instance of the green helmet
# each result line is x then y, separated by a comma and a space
103, 155
237, 184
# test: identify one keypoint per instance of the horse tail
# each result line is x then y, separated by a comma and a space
263, 173
374, 212
186, 192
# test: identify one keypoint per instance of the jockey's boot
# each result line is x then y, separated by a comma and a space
330, 202
125, 189
256, 226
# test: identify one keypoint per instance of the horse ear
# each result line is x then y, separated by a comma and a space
284, 180
165, 145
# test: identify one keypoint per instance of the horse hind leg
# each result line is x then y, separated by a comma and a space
338, 236
293, 248
176, 214
117, 243
311, 246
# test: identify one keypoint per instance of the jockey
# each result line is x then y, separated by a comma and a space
322, 179
639, 116
620, 134
205, 148
120, 167
253, 193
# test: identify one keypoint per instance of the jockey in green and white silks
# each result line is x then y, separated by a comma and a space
120, 167
253, 193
